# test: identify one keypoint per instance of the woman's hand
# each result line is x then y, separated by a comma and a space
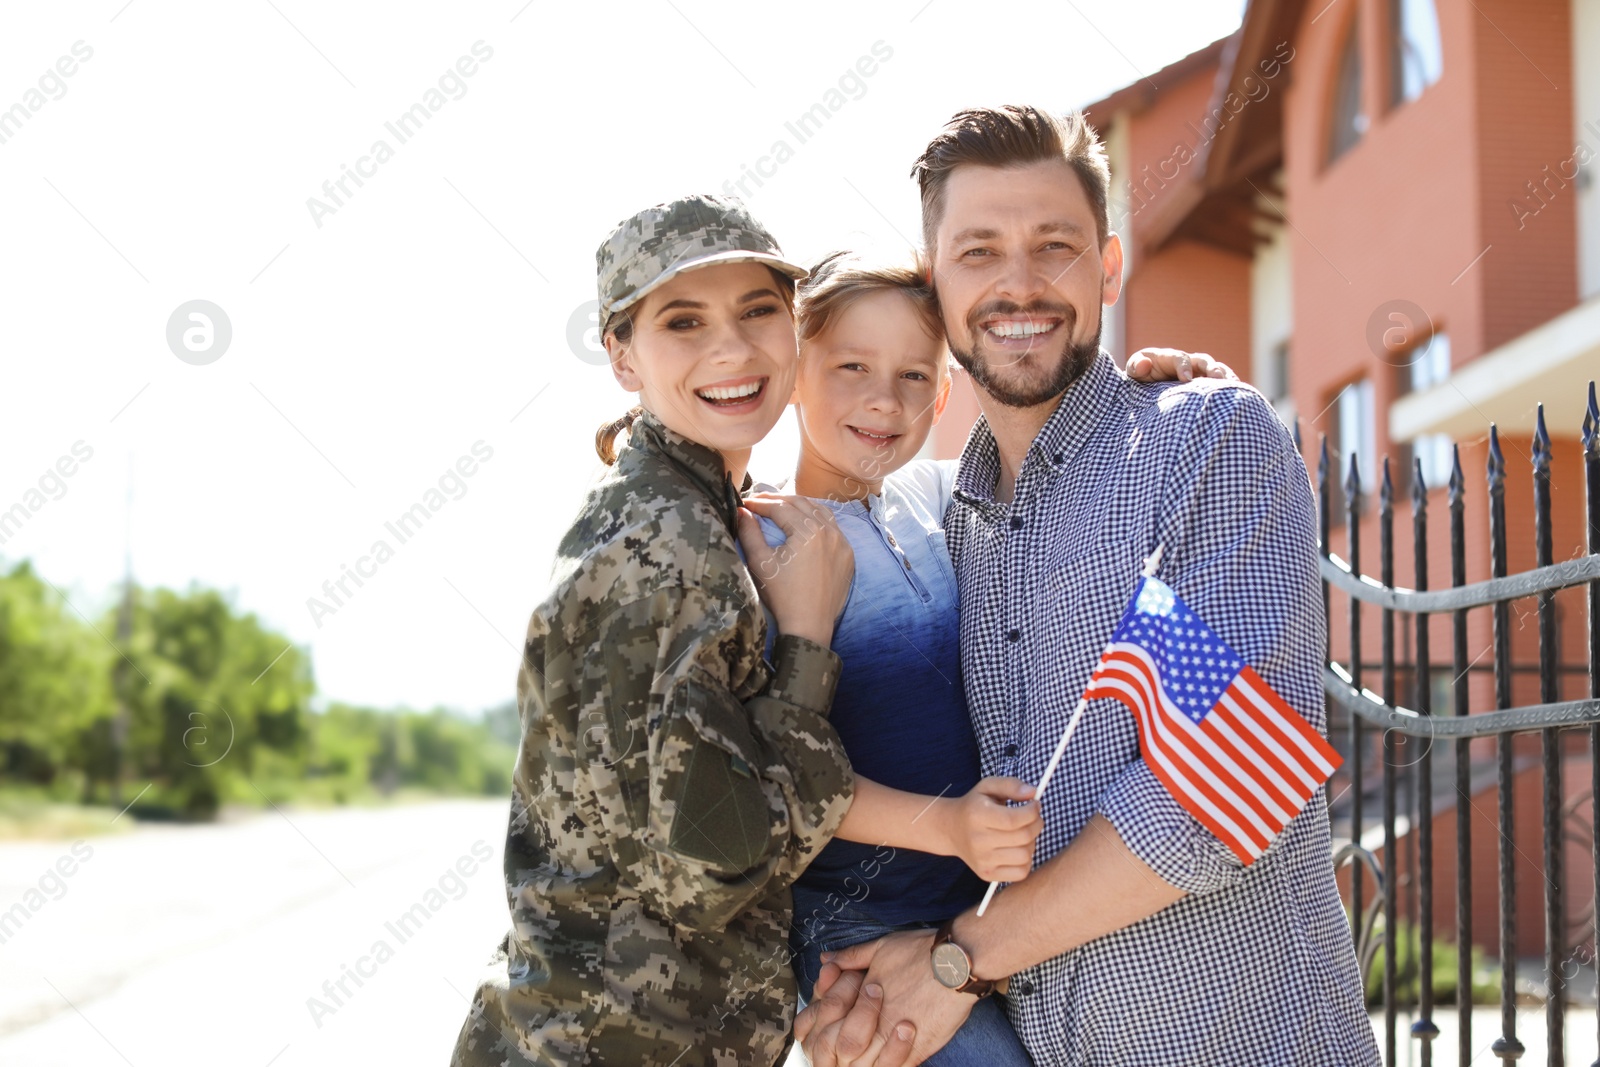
995, 840
806, 580
1171, 364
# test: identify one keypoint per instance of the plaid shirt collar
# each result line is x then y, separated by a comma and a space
702, 463
1079, 412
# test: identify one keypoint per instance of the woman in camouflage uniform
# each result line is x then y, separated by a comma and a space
672, 781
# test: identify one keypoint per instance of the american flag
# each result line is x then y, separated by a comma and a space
1237, 757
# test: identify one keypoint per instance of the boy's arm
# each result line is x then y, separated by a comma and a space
995, 840
882, 816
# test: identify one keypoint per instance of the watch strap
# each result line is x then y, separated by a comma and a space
978, 987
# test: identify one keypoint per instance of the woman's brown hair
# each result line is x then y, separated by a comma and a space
620, 326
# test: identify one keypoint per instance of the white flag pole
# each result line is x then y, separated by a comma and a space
1150, 566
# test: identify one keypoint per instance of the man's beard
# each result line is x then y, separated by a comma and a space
1071, 360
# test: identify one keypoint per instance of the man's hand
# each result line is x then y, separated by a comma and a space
899, 970
838, 995
1171, 364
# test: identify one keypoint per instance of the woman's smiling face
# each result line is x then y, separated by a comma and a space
712, 355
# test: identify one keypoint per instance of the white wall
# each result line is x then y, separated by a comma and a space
1113, 327
1586, 119
1271, 315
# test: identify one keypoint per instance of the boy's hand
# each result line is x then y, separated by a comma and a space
995, 840
1170, 364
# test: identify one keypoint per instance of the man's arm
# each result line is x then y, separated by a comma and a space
1108, 884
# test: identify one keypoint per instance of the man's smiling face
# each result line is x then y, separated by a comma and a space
1021, 277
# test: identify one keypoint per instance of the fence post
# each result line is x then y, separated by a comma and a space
1461, 693
1352, 488
1550, 746
1324, 524
1423, 1029
1391, 857
1506, 1046
1591, 472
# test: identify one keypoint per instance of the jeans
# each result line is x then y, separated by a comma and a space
827, 923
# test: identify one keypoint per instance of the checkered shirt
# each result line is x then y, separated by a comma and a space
1254, 965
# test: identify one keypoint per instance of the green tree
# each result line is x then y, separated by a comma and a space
54, 683
217, 702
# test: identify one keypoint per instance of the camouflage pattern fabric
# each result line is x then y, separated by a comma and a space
695, 231
670, 786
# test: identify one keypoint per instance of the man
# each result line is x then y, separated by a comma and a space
1140, 938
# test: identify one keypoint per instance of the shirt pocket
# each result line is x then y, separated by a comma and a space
1089, 590
944, 572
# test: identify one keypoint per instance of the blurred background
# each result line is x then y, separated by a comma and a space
301, 374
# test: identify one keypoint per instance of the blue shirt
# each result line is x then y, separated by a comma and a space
1254, 965
900, 707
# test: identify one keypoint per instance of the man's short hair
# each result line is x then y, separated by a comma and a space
1012, 136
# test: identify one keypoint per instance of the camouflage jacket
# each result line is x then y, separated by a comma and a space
670, 786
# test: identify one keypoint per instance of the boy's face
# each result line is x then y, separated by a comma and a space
870, 388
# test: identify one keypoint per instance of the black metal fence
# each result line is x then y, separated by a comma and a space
1368, 716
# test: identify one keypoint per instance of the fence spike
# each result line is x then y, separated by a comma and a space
1541, 446
1458, 481
1497, 462
1386, 488
1298, 446
1419, 489
1591, 425
1352, 480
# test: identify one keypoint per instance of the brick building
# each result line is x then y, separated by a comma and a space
1383, 214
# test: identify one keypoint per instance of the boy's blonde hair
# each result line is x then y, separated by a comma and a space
842, 278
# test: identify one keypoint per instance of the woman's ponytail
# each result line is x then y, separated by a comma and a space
605, 438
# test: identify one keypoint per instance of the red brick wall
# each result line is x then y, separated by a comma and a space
1194, 297
1392, 218
1524, 123
1154, 166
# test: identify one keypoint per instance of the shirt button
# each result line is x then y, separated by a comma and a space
1011, 749
891, 539
1059, 457
1013, 636
1025, 988
1016, 522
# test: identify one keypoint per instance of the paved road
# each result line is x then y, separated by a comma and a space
173, 946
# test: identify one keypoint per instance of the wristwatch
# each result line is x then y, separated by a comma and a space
953, 967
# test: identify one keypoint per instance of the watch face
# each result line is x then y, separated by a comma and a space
950, 965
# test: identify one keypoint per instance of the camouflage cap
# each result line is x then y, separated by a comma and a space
660, 242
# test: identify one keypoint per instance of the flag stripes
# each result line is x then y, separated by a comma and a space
1243, 769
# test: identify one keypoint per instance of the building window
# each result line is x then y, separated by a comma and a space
1430, 367
1349, 120
1275, 381
1358, 432
1354, 432
1418, 57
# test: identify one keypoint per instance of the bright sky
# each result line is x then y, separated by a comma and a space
377, 340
